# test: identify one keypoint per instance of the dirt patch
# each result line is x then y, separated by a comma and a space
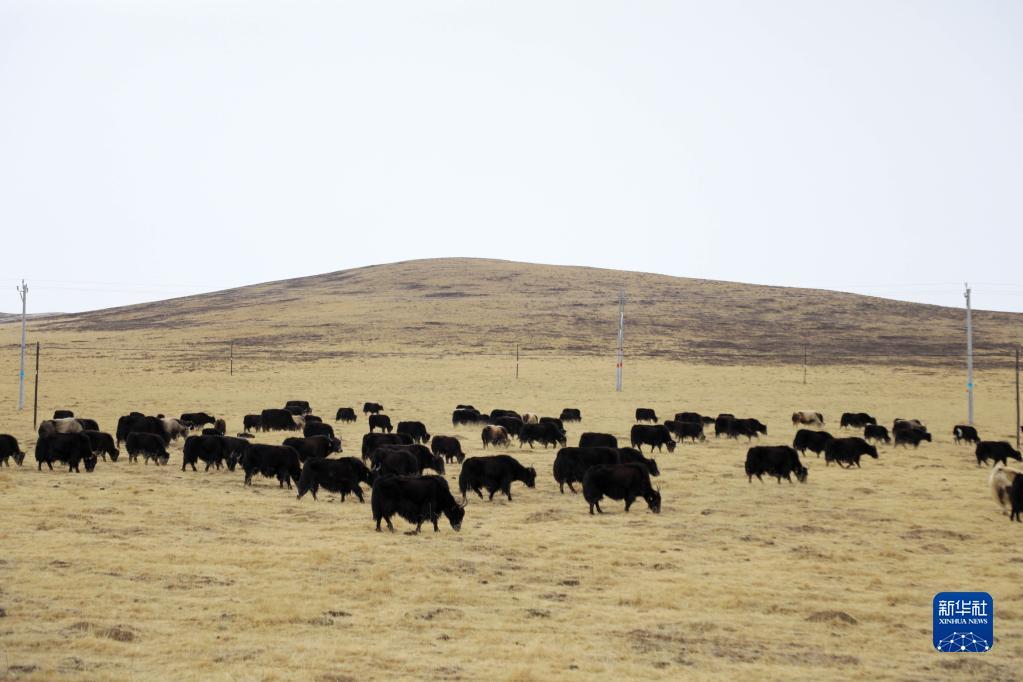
832, 617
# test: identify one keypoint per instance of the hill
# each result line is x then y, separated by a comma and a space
481, 306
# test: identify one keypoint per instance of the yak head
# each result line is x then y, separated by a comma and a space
671, 446
653, 500
872, 451
529, 478
801, 473
19, 456
455, 514
437, 464
90, 462
651, 465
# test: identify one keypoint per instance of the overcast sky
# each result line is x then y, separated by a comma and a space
152, 149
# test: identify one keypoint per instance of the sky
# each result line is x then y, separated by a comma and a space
155, 149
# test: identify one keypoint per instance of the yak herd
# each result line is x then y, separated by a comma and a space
394, 459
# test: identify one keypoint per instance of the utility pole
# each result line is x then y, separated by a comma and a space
516, 361
621, 339
35, 399
1017, 397
23, 292
232, 358
969, 358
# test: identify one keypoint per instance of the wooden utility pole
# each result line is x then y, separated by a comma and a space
35, 399
621, 340
516, 361
232, 358
23, 292
969, 358
1017, 397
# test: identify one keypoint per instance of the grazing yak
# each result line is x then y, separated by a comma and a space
653, 435
495, 413
318, 429
683, 430
998, 451
63, 414
346, 414
645, 414
751, 428
298, 407
571, 414
547, 434
620, 482
911, 436
634, 456
468, 416
807, 418
150, 445
213, 450
380, 421
597, 440
371, 441
336, 475
449, 447
313, 447
876, 433
814, 441
416, 430
495, 473
417, 499
496, 436
965, 433
692, 417
571, 464
553, 420
48, 427
856, 420
252, 422
276, 419
405, 459
779, 461
9, 449
1016, 499
197, 420
174, 428
102, 444
847, 451
68, 448
1000, 481
372, 408
513, 425
271, 461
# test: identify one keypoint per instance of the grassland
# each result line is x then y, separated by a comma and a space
151, 573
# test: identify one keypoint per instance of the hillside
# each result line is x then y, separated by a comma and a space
460, 305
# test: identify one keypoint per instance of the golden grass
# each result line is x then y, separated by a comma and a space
149, 573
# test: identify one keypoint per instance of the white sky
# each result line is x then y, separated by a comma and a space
151, 149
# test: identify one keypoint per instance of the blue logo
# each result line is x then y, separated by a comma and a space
964, 622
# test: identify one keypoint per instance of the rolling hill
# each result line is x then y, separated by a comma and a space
484, 306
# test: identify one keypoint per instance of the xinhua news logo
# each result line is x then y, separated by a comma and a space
964, 622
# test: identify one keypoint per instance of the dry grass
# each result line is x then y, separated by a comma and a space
149, 573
